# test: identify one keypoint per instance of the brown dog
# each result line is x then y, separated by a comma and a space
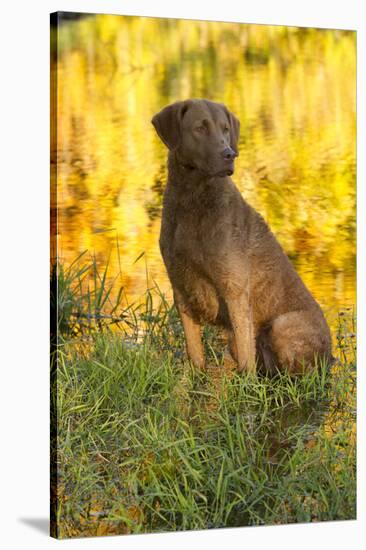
225, 265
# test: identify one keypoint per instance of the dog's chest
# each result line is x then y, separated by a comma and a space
197, 232
194, 238
188, 260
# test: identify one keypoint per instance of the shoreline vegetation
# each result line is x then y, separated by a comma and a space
141, 442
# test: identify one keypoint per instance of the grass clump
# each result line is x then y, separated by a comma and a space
145, 443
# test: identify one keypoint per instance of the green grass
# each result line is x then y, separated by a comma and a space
145, 443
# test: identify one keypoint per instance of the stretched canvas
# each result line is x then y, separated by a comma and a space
147, 437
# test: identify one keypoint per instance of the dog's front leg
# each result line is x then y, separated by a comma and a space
243, 329
192, 333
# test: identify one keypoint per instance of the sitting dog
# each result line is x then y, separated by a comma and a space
225, 265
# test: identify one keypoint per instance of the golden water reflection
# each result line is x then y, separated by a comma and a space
294, 92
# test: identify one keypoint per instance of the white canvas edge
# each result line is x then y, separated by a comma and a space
24, 237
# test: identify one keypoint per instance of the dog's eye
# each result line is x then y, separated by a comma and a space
226, 129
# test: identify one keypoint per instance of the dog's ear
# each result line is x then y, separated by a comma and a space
234, 125
167, 123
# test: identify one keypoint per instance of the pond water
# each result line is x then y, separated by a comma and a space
293, 90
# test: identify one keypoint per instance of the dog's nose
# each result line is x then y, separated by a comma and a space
228, 153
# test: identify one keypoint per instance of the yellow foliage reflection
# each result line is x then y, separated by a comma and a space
294, 92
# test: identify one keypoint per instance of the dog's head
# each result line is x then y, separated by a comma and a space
204, 135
